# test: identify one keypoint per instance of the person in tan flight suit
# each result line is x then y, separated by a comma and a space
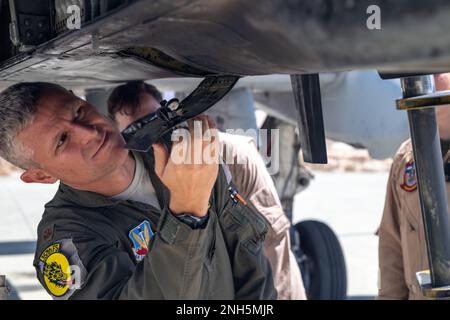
402, 246
135, 100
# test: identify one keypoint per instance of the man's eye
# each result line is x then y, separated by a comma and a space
62, 139
78, 114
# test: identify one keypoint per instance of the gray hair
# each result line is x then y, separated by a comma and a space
18, 106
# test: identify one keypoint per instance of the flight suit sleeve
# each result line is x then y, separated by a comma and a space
392, 284
244, 231
174, 267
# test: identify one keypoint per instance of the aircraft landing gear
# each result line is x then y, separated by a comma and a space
3, 288
321, 261
317, 249
315, 246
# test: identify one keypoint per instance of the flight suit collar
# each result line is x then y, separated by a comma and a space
95, 200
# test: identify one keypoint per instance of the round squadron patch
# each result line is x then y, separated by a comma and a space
409, 178
62, 272
56, 275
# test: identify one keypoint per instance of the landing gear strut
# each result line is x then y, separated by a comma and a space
419, 101
315, 246
3, 288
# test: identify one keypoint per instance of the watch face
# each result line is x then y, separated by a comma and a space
193, 222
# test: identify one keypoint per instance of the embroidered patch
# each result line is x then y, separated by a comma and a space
140, 237
409, 178
61, 269
47, 234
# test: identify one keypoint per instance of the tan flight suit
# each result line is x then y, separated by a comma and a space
254, 183
402, 246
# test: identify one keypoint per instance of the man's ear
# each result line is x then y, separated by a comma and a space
37, 176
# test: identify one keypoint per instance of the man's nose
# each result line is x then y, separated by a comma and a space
85, 133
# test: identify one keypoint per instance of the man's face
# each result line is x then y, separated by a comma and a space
71, 142
147, 105
442, 82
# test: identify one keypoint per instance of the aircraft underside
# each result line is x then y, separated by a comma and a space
124, 40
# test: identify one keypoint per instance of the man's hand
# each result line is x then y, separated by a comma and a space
190, 181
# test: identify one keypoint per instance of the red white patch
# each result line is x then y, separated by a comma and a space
140, 237
409, 178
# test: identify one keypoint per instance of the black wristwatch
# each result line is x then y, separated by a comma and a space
192, 221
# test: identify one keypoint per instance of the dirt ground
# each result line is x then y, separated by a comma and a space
345, 158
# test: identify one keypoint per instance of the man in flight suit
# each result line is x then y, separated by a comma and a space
402, 246
135, 100
128, 225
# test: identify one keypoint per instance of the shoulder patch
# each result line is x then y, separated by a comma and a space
61, 269
140, 237
409, 177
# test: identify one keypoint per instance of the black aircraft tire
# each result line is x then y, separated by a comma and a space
328, 274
